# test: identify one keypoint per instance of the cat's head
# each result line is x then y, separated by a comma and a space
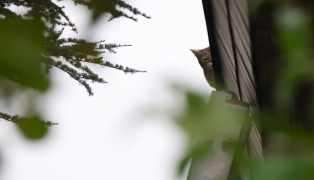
203, 56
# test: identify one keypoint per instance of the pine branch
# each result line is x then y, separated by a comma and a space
16, 119
80, 77
37, 28
52, 14
110, 6
8, 14
73, 51
135, 11
79, 50
122, 68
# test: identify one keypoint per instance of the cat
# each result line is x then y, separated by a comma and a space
205, 60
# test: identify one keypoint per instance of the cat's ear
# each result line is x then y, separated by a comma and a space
196, 52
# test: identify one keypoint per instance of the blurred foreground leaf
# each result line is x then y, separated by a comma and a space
33, 128
294, 39
203, 122
286, 168
22, 42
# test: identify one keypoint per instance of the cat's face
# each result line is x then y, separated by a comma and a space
203, 56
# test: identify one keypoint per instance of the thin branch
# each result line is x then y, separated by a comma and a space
80, 77
16, 119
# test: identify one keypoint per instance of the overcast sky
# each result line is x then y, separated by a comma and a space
108, 136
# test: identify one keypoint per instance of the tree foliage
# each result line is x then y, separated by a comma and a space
31, 43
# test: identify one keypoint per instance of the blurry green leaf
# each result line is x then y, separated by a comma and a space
202, 119
293, 26
203, 122
32, 128
294, 37
184, 163
21, 45
194, 120
288, 168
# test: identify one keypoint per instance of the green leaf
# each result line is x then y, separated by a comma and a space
33, 128
21, 45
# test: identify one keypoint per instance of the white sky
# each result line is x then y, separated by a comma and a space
108, 135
